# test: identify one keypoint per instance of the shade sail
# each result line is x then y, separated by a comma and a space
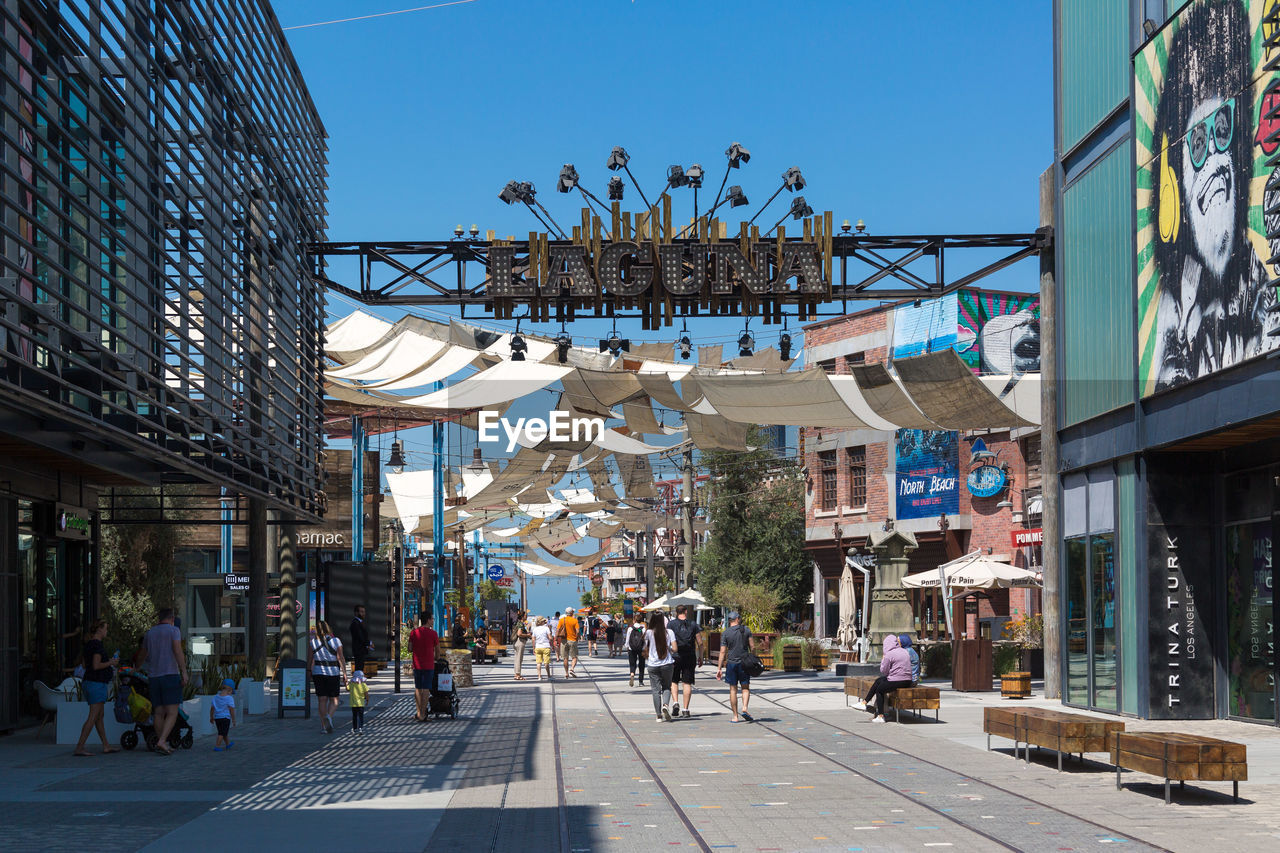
1020, 393
404, 353
806, 398
973, 572
712, 432
660, 387
886, 397
639, 416
505, 381
351, 336
950, 395
438, 369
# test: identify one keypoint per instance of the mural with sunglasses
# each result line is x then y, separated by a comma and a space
1204, 302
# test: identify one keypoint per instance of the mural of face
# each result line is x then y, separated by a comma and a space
1209, 189
1011, 343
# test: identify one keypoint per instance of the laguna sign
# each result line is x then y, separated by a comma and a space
986, 481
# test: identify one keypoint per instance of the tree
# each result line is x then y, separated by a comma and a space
756, 511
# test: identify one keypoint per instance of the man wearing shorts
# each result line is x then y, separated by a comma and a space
423, 642
689, 642
569, 630
734, 645
167, 668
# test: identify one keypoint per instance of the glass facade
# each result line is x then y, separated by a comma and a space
1251, 673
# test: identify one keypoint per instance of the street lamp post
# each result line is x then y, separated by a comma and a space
397, 529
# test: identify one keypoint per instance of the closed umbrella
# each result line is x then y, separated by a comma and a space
847, 633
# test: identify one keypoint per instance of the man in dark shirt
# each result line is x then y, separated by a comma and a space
734, 645
689, 645
360, 643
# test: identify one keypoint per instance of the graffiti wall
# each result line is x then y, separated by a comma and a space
928, 473
998, 332
1203, 259
926, 326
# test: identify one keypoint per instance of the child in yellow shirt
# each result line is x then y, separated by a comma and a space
358, 687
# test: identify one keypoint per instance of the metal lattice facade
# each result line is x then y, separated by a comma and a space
164, 172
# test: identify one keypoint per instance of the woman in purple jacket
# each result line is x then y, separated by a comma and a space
895, 672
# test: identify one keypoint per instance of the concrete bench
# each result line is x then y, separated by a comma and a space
1046, 728
914, 699
1183, 757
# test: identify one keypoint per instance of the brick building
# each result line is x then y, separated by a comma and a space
860, 480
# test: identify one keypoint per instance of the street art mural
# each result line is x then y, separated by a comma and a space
998, 333
928, 473
1204, 263
924, 326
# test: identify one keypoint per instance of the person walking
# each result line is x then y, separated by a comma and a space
423, 642
636, 655
542, 642
734, 645
558, 644
361, 645
328, 671
222, 714
523, 636
689, 646
359, 690
95, 684
162, 647
659, 643
895, 672
611, 636
592, 627
570, 632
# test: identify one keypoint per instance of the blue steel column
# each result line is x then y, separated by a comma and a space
225, 558
437, 522
358, 445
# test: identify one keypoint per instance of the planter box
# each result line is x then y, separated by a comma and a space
197, 711
70, 719
250, 697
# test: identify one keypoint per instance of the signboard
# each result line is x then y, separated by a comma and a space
1020, 538
986, 481
496, 572
293, 687
928, 476
628, 607
237, 583
505, 582
320, 538
72, 522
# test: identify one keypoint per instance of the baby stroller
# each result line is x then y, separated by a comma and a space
133, 705
443, 701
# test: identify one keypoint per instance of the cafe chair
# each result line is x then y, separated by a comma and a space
50, 699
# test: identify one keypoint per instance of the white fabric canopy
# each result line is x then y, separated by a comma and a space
616, 442
974, 571
806, 398
504, 381
403, 354
346, 338
438, 369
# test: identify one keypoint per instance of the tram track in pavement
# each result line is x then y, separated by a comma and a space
971, 827
565, 847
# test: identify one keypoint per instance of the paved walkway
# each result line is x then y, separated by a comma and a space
581, 765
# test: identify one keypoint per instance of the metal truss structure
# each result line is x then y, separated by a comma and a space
860, 267
163, 174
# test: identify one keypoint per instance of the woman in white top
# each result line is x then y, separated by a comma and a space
542, 639
660, 643
324, 657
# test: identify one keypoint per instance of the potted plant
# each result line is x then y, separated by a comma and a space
1026, 632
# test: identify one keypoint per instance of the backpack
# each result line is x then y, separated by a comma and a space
684, 630
635, 641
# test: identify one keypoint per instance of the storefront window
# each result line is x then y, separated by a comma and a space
1077, 613
1103, 575
1250, 639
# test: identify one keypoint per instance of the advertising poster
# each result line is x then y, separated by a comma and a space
293, 687
928, 473
1203, 137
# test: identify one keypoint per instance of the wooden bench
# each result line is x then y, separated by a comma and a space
914, 699
1046, 728
1183, 757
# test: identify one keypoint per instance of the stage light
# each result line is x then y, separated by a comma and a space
686, 347
676, 177
615, 345
736, 197
618, 159
616, 186
793, 180
746, 343
563, 344
800, 208
510, 193
568, 178
784, 346
518, 347
694, 175
737, 155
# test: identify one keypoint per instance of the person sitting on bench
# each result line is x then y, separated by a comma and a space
895, 672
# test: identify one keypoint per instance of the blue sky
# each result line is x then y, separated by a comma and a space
915, 117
